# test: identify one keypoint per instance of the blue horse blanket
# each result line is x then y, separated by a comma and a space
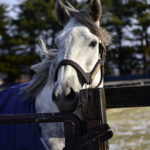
18, 136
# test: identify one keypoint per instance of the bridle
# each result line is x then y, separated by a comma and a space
88, 77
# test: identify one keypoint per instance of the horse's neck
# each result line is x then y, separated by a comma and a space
44, 103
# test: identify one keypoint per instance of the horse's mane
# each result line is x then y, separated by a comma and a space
33, 88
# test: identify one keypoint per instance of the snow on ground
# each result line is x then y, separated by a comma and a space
131, 128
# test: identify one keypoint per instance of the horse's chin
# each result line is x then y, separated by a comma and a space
67, 106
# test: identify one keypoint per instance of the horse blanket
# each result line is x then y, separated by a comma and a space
18, 136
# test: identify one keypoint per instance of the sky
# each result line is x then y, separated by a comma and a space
11, 4
8, 1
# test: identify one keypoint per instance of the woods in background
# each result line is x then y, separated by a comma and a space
128, 21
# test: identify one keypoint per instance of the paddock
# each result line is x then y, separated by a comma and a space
130, 121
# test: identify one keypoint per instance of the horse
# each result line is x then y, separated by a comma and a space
76, 63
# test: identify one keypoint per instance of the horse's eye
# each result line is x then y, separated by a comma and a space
93, 43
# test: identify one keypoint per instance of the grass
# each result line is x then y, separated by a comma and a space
131, 128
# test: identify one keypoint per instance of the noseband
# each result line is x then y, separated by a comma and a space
87, 77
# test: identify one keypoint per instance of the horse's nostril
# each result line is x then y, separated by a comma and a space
68, 94
71, 95
66, 99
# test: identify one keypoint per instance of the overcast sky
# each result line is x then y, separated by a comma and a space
11, 4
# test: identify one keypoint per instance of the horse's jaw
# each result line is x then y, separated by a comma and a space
52, 133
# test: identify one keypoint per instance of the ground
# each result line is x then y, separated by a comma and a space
131, 128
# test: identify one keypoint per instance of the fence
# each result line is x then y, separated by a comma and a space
127, 80
137, 82
93, 132
122, 97
90, 134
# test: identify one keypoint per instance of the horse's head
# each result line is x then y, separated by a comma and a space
78, 47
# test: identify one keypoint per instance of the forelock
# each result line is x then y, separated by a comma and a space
84, 18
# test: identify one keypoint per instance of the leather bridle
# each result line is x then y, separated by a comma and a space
88, 77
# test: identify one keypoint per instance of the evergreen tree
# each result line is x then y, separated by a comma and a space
141, 14
13, 65
36, 19
5, 64
4, 23
118, 18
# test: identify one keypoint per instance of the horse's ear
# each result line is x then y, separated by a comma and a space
95, 10
63, 12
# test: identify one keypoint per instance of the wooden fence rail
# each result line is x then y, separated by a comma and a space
76, 137
127, 97
127, 83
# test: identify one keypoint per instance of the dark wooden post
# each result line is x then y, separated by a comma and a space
93, 107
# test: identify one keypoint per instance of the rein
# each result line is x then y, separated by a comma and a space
88, 77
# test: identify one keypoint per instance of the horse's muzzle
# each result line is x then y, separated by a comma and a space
65, 99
